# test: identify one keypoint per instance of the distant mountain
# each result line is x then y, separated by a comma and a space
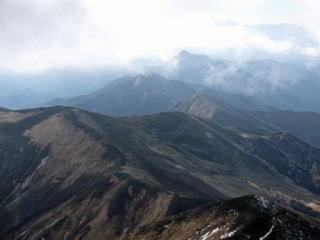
17, 97
249, 217
241, 101
225, 114
142, 94
305, 125
293, 87
25, 90
151, 93
71, 174
279, 85
201, 69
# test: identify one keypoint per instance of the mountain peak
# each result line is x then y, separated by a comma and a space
146, 76
184, 53
187, 55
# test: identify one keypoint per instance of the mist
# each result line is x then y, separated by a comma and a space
44, 35
53, 49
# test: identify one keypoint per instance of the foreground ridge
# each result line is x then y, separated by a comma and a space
248, 217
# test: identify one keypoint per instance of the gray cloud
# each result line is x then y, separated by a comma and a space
22, 22
46, 34
33, 25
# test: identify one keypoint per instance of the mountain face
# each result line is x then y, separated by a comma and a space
225, 114
248, 217
60, 176
71, 174
132, 96
305, 125
148, 94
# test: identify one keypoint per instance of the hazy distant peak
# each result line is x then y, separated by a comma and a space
3, 109
185, 55
202, 96
145, 76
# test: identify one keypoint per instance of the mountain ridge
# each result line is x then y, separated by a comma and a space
227, 115
75, 174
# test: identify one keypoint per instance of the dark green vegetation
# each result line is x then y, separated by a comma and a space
67, 173
305, 125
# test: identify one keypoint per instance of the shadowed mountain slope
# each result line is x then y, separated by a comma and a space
148, 94
225, 114
142, 94
71, 174
305, 125
248, 217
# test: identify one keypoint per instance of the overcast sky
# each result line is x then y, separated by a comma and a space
37, 35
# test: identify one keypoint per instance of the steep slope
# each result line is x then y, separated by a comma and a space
139, 95
305, 125
241, 101
206, 106
249, 217
289, 155
54, 174
71, 174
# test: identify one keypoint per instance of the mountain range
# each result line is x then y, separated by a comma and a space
269, 83
137, 95
264, 84
149, 94
305, 125
223, 151
284, 86
71, 174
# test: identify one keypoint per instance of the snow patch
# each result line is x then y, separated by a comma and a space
264, 203
227, 235
209, 234
267, 234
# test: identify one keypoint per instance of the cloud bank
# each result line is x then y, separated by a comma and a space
37, 35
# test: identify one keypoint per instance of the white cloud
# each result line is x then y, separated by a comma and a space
42, 34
